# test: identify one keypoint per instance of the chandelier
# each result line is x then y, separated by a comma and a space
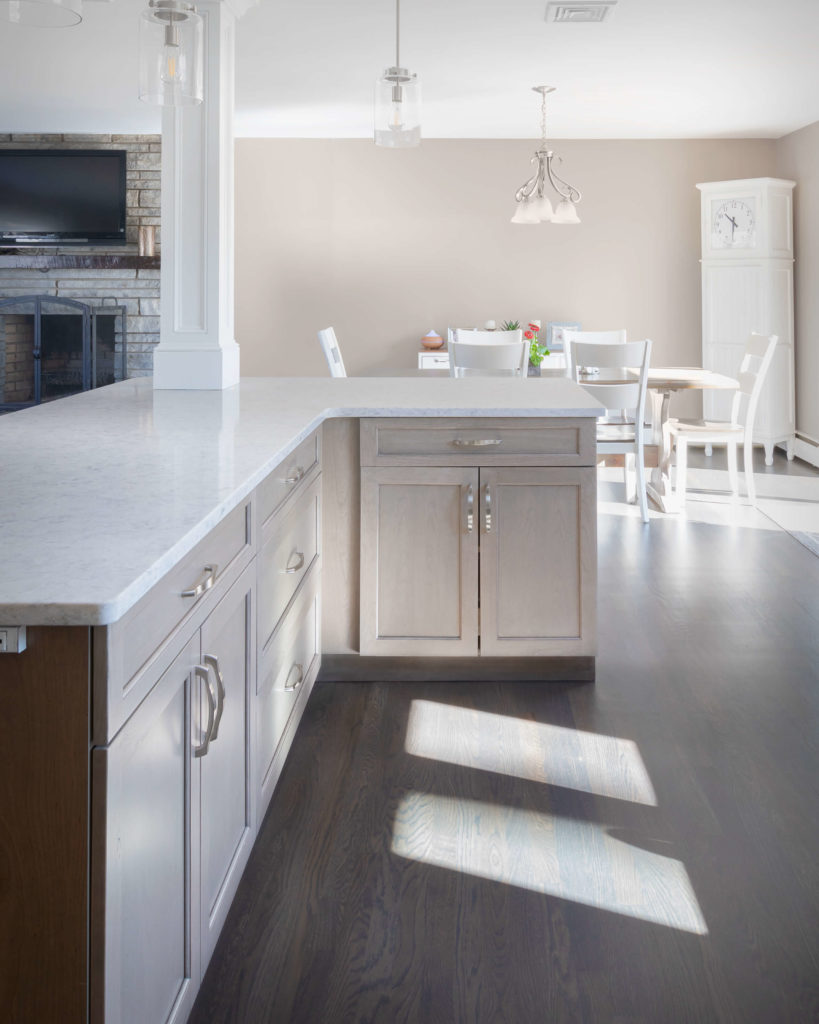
533, 207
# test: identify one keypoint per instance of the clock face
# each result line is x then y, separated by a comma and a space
733, 223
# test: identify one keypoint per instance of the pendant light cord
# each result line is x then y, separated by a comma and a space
397, 33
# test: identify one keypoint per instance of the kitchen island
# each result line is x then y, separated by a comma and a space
169, 554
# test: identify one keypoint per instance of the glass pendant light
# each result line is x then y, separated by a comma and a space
533, 207
397, 101
42, 13
170, 53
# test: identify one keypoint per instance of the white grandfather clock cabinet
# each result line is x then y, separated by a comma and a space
747, 285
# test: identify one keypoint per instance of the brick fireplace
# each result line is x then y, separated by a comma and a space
93, 276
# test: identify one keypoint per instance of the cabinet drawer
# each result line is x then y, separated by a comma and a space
124, 650
286, 667
291, 546
287, 476
477, 442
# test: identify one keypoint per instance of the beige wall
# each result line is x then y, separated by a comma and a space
385, 244
798, 159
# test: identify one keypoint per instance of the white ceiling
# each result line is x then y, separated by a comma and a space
306, 68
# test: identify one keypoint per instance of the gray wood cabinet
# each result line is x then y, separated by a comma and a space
493, 557
178, 819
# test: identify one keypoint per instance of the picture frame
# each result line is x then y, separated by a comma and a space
554, 333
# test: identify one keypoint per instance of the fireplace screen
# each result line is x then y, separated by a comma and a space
51, 347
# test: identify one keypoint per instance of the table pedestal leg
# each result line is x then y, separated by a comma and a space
659, 485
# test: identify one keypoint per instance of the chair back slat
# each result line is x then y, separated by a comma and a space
332, 353
482, 359
487, 337
612, 359
613, 337
753, 369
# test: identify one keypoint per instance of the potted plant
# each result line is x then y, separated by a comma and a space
537, 352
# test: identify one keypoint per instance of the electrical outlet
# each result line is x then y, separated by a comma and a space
12, 639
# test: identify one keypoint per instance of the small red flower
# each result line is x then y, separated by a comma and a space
528, 335
534, 327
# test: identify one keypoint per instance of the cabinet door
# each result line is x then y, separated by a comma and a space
419, 561
538, 561
150, 864
226, 812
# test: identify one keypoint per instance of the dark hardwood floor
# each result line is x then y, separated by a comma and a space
642, 849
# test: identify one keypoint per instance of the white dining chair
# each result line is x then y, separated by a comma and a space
755, 363
487, 356
623, 434
614, 337
332, 353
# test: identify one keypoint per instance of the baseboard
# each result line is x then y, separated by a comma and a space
807, 451
353, 668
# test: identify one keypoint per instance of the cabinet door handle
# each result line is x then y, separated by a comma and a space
203, 674
487, 509
484, 442
296, 477
290, 569
288, 686
470, 507
213, 663
205, 583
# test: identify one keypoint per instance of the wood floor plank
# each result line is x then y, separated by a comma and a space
512, 864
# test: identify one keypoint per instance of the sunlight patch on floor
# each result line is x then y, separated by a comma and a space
537, 751
562, 857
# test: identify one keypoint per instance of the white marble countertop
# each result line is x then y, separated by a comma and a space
102, 493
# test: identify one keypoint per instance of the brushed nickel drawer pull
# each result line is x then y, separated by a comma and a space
290, 569
295, 479
203, 674
213, 663
485, 442
205, 583
287, 685
470, 506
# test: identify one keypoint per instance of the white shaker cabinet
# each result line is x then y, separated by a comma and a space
178, 819
478, 537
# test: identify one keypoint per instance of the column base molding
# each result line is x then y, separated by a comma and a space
196, 369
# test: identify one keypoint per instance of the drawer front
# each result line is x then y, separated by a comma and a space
291, 547
157, 614
478, 442
288, 664
433, 361
287, 476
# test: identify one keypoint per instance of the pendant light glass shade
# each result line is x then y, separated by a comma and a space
397, 118
566, 213
170, 54
397, 109
42, 13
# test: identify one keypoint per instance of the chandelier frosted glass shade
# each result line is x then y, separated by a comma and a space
566, 213
170, 54
397, 120
42, 13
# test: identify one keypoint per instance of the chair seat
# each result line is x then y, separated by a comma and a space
719, 428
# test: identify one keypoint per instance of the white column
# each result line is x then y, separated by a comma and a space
197, 349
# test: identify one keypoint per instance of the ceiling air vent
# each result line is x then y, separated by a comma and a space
582, 12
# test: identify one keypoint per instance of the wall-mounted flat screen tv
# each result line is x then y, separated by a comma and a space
56, 197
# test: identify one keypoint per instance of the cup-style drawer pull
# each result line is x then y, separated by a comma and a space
290, 569
299, 670
297, 475
205, 583
484, 442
